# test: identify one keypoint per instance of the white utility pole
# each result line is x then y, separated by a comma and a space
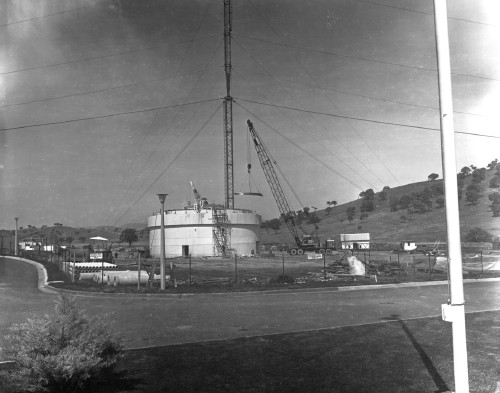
16, 245
162, 241
454, 311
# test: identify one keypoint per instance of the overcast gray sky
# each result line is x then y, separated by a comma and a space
83, 142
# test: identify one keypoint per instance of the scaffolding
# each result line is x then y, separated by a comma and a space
220, 231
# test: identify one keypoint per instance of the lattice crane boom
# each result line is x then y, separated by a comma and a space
267, 164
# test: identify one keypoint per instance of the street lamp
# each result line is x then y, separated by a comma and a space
162, 241
15, 238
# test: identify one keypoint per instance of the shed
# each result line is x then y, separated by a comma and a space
409, 245
355, 241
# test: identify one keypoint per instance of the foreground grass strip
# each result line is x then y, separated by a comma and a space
396, 356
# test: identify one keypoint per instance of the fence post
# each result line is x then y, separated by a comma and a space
283, 262
236, 267
102, 272
139, 274
189, 269
74, 267
399, 266
414, 268
324, 265
482, 266
430, 271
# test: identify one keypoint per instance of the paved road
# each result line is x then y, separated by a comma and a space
150, 321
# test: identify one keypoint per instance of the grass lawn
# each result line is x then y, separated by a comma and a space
394, 356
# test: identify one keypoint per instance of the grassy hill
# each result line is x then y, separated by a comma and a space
403, 224
79, 235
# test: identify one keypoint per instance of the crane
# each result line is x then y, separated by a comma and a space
304, 243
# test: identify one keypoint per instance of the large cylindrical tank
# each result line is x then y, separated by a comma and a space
198, 232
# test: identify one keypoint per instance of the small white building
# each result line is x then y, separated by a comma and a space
355, 241
409, 246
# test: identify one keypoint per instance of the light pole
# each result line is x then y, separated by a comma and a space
162, 241
15, 238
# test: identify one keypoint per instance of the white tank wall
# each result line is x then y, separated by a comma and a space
194, 229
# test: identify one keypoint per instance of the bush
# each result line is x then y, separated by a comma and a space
61, 353
283, 279
478, 235
367, 205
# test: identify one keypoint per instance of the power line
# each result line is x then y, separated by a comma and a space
424, 13
100, 90
364, 119
302, 149
108, 115
181, 63
364, 95
103, 56
55, 13
331, 102
304, 131
420, 68
169, 165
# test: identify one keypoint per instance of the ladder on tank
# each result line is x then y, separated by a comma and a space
220, 232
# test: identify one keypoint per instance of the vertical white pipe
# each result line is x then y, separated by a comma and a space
15, 238
162, 245
451, 197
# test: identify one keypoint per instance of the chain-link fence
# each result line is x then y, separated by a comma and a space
265, 270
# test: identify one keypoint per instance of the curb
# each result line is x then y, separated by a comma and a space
44, 286
42, 274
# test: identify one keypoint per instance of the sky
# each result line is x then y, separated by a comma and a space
104, 104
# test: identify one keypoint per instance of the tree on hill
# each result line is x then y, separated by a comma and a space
363, 216
495, 182
437, 189
432, 176
495, 205
313, 219
394, 204
465, 171
405, 201
69, 239
493, 164
275, 224
478, 175
473, 193
382, 195
478, 235
350, 213
367, 205
368, 194
82, 239
129, 236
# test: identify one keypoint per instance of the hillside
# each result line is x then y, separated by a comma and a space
62, 234
409, 223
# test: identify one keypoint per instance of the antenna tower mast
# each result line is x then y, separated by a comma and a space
228, 110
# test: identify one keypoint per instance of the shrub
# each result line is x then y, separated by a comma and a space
495, 182
478, 235
283, 279
367, 205
61, 353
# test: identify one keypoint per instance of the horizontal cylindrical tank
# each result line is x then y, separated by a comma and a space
205, 231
